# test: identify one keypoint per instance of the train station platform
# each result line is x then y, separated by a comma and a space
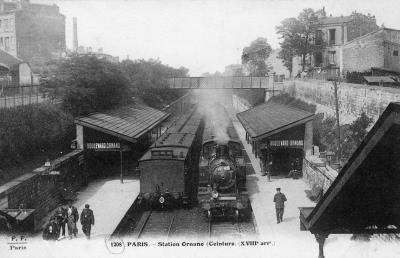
109, 200
288, 240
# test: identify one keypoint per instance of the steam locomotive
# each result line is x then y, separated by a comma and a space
222, 173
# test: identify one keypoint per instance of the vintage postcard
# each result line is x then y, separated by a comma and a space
199, 128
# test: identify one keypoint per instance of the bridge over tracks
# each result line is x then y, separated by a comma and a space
228, 82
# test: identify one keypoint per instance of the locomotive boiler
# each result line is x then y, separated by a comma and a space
222, 175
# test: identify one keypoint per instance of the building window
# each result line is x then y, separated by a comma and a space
332, 57
318, 37
332, 36
11, 23
318, 59
396, 53
1, 43
6, 24
7, 44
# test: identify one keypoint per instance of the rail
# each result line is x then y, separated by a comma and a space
161, 224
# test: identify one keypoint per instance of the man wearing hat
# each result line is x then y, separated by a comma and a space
87, 220
279, 200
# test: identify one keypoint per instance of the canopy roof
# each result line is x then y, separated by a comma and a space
365, 196
270, 118
128, 122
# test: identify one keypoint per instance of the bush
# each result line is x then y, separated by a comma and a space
26, 131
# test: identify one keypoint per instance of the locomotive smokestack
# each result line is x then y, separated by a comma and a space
75, 35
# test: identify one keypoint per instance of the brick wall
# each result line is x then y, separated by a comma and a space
40, 191
353, 98
363, 53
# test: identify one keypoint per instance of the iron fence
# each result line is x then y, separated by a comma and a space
12, 96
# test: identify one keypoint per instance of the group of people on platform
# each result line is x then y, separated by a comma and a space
68, 216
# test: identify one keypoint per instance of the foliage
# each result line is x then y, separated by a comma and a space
152, 73
299, 37
87, 84
28, 130
351, 135
357, 133
255, 55
147, 81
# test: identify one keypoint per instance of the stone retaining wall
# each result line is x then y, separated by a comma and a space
42, 189
353, 98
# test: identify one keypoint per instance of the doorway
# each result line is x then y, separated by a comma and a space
284, 160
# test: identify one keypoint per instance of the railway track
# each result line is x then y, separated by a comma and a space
227, 229
156, 224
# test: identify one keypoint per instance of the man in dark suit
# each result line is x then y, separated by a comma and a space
87, 220
61, 217
72, 218
279, 200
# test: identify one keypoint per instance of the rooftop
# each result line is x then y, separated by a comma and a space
335, 20
128, 122
270, 118
367, 185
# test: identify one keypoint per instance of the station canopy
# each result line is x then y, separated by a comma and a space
365, 196
270, 118
128, 122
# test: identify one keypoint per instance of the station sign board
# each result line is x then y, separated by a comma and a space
283, 143
103, 146
107, 146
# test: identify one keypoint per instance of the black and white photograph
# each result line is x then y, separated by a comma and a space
200, 128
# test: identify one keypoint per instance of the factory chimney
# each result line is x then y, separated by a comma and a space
75, 35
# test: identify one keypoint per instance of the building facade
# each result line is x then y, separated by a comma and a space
378, 49
334, 33
32, 32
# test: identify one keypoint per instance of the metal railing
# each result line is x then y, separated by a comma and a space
218, 82
13, 96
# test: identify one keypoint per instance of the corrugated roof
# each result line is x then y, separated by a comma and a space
270, 118
335, 20
128, 122
378, 79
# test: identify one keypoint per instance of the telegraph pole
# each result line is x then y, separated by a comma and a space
337, 118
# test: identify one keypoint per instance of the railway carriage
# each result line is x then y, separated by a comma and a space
168, 170
222, 174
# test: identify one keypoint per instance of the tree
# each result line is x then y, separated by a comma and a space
300, 37
147, 81
255, 55
358, 131
145, 74
87, 84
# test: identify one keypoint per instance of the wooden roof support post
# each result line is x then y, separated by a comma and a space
321, 237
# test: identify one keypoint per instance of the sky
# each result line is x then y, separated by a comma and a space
203, 36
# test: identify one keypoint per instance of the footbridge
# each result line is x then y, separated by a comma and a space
224, 82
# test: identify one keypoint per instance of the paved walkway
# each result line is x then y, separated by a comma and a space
288, 240
109, 200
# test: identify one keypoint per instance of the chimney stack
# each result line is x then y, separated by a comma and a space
75, 35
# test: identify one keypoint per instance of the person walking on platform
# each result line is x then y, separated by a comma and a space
51, 231
87, 220
72, 218
61, 217
279, 200
263, 165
